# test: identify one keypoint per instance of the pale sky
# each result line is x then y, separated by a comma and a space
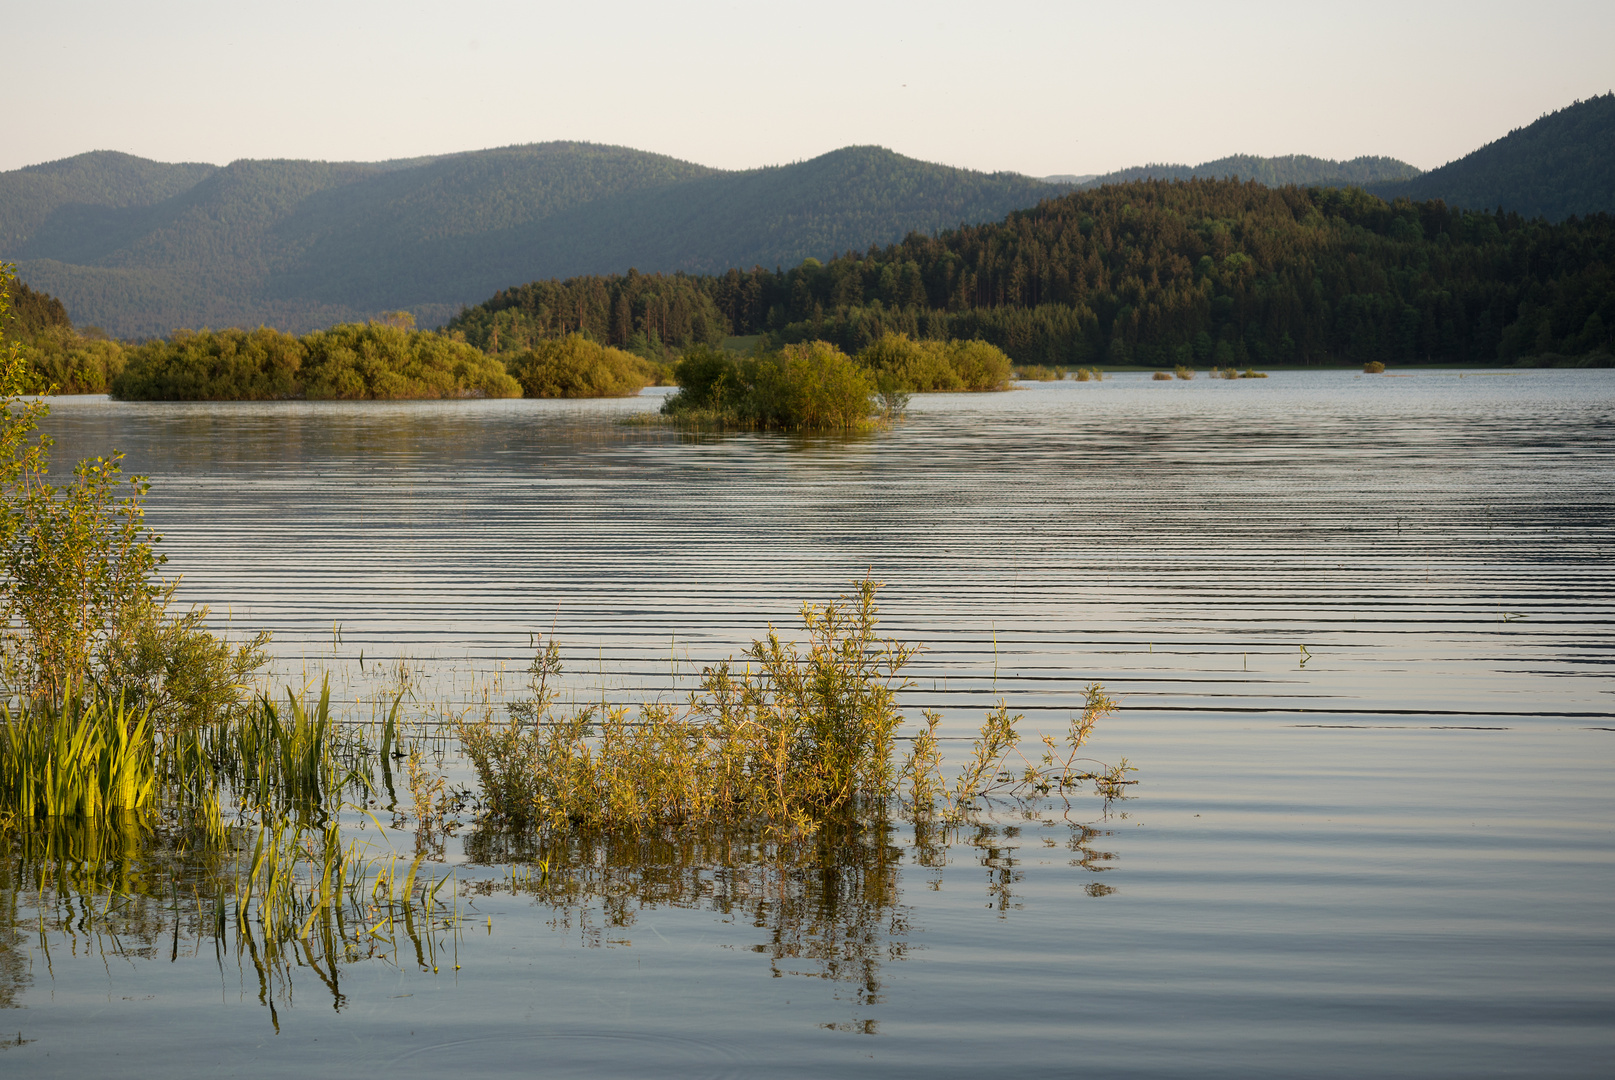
1037, 88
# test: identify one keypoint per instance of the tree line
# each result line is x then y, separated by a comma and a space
1154, 273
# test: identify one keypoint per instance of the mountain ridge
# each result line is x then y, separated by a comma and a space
141, 247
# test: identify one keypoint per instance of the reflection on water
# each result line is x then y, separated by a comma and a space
830, 906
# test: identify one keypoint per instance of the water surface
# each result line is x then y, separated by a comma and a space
1395, 858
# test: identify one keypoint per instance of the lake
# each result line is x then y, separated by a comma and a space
1360, 627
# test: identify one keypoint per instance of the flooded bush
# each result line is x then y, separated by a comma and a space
809, 387
1089, 374
788, 736
1183, 372
923, 367
65, 362
575, 367
1162, 376
1373, 367
351, 361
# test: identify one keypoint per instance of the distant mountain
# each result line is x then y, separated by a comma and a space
141, 247
1273, 171
1561, 165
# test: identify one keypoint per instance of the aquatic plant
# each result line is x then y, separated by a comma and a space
88, 758
1183, 372
788, 739
1086, 374
1037, 373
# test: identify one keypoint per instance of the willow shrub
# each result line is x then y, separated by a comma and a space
380, 361
350, 361
813, 386
63, 362
213, 365
575, 367
791, 737
924, 367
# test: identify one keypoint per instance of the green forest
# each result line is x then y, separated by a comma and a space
1153, 273
141, 247
1559, 166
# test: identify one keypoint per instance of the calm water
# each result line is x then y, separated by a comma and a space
1396, 859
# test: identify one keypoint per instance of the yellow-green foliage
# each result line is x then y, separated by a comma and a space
222, 365
1087, 374
90, 758
1183, 372
71, 363
1037, 373
575, 367
352, 361
813, 386
787, 738
378, 360
1162, 376
1373, 367
923, 367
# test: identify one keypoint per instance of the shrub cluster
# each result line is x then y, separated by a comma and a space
921, 367
808, 387
575, 367
790, 738
350, 361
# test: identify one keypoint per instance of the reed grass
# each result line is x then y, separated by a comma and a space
90, 758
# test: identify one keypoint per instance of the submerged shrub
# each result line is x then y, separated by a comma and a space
813, 386
380, 360
64, 362
1162, 376
1037, 373
575, 367
923, 367
1183, 372
1373, 367
352, 361
788, 738
223, 365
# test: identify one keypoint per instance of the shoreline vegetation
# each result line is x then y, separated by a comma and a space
115, 708
1150, 274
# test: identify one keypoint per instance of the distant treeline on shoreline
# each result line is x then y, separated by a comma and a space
1153, 273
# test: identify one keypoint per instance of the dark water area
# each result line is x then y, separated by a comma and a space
1360, 627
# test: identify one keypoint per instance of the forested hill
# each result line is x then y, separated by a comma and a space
1272, 171
139, 247
1152, 272
1561, 165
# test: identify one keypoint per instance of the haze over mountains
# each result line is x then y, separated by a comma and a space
140, 247
1272, 171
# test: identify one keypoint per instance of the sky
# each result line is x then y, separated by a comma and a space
1037, 88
